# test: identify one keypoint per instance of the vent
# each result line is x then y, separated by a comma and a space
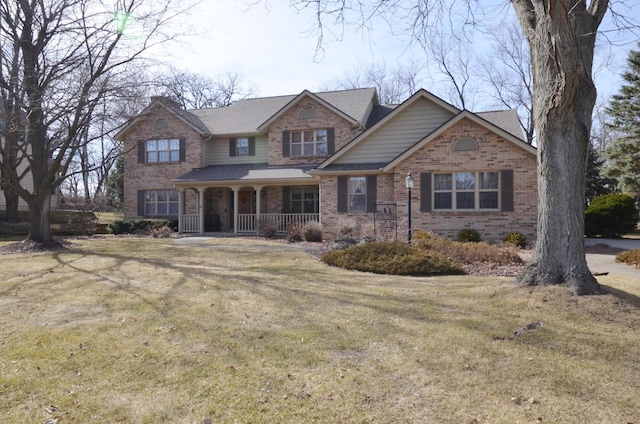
465, 145
161, 124
308, 113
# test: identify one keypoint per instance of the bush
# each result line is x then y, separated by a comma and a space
630, 257
611, 215
141, 226
267, 227
517, 239
312, 231
469, 253
294, 233
392, 258
468, 235
423, 235
346, 229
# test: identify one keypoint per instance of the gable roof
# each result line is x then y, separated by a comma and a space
352, 105
387, 114
506, 119
462, 115
192, 120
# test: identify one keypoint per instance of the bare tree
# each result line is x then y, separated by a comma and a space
197, 91
393, 84
561, 35
508, 72
57, 63
454, 62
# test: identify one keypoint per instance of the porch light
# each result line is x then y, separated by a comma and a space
409, 184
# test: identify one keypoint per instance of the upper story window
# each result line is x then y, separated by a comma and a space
242, 147
465, 191
158, 151
309, 143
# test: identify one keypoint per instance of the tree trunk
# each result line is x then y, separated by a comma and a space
11, 206
40, 218
562, 42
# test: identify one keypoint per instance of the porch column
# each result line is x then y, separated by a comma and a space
258, 195
180, 209
235, 209
201, 208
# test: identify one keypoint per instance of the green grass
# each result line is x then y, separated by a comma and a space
147, 331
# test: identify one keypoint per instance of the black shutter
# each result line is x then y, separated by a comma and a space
141, 152
140, 202
372, 192
183, 150
331, 141
232, 147
286, 199
425, 192
286, 146
252, 146
343, 194
506, 190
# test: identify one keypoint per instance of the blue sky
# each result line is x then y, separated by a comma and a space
271, 46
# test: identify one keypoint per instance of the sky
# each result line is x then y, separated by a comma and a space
274, 48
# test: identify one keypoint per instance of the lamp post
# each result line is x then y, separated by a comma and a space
409, 184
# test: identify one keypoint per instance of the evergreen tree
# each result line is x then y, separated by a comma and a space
597, 184
115, 185
624, 111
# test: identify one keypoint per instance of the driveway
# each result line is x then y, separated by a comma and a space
606, 263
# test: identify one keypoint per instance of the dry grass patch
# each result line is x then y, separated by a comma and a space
147, 330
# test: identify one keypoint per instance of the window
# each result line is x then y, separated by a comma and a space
357, 194
162, 150
304, 200
465, 191
242, 147
309, 143
161, 202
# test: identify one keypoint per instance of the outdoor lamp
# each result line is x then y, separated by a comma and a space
409, 184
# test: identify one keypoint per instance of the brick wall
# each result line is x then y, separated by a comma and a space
494, 154
157, 176
292, 121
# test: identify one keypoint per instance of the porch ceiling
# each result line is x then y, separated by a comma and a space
245, 173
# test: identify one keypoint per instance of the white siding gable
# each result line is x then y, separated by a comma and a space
398, 134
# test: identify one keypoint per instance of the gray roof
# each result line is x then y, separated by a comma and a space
245, 116
374, 166
504, 119
246, 172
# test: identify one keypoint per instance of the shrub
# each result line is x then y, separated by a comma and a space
294, 233
140, 226
163, 232
392, 258
346, 228
611, 215
468, 253
517, 239
267, 227
312, 231
468, 235
630, 257
423, 234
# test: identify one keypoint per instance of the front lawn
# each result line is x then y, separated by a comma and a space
141, 330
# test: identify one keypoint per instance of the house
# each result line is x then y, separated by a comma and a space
329, 157
12, 154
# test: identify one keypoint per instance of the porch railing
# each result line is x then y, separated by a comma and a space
190, 223
250, 223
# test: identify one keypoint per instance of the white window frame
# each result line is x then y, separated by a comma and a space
302, 141
357, 194
242, 146
477, 190
303, 194
161, 200
156, 152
